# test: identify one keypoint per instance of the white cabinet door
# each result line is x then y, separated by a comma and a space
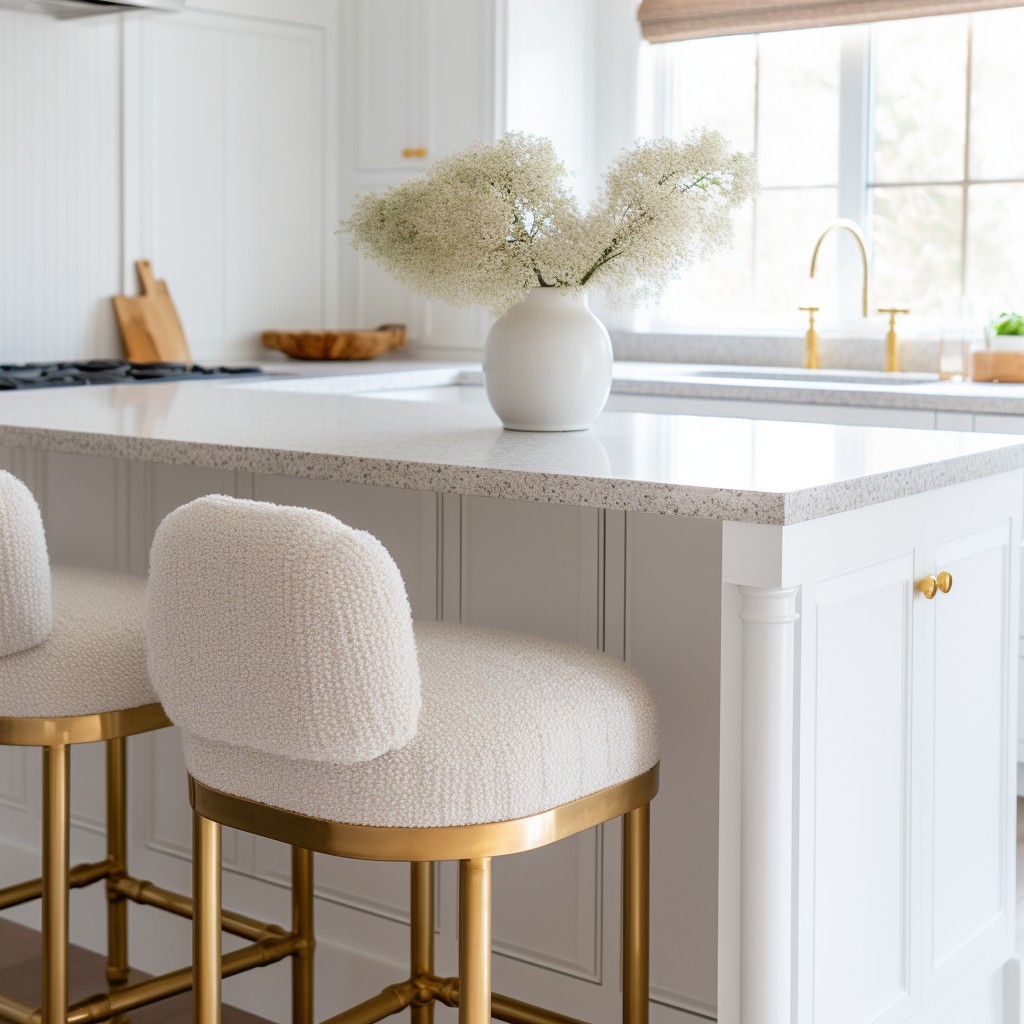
391, 102
861, 886
908, 722
965, 746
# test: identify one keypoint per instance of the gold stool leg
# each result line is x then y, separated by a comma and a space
636, 896
422, 932
117, 854
302, 926
56, 785
206, 933
475, 941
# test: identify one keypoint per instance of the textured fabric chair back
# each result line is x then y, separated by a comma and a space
26, 613
280, 629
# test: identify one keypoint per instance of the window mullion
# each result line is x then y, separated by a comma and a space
854, 159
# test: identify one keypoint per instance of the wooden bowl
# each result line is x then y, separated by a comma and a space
336, 344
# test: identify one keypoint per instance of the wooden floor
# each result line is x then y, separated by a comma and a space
20, 969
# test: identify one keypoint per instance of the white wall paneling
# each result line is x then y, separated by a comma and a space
672, 628
203, 141
60, 187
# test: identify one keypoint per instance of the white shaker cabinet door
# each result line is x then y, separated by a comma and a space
968, 650
860, 889
908, 717
391, 101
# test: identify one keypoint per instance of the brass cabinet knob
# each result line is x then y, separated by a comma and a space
931, 585
414, 152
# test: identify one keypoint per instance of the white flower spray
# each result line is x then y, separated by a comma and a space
484, 226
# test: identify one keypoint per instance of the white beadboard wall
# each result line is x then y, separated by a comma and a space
60, 187
198, 140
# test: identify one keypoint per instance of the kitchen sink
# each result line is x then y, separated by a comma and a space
867, 377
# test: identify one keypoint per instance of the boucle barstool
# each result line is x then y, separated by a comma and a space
314, 712
73, 670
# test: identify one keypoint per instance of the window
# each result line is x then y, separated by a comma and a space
913, 129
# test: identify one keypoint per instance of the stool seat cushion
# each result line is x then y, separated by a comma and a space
93, 661
510, 726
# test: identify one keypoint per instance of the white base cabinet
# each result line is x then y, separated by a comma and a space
904, 712
834, 838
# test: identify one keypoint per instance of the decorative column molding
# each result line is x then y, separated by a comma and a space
767, 849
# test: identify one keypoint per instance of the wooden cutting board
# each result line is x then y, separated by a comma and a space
150, 328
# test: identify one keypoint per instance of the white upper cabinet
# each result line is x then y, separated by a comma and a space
392, 100
424, 81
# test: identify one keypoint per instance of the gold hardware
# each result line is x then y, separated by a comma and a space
944, 581
414, 152
847, 225
421, 846
892, 342
929, 586
811, 339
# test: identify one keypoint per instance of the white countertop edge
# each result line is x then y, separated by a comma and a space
752, 506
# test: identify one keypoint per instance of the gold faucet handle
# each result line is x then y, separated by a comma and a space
811, 359
892, 350
893, 313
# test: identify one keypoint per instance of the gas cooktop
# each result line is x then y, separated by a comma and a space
109, 371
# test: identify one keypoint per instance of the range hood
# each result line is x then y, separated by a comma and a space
85, 8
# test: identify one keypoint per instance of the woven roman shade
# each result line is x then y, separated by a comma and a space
665, 21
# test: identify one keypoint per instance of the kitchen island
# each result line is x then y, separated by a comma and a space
834, 839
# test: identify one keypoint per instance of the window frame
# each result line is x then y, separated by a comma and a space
856, 188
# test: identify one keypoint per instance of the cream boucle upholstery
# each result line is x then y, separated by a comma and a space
282, 629
511, 725
93, 661
26, 616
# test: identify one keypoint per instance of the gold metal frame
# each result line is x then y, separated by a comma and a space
472, 846
267, 943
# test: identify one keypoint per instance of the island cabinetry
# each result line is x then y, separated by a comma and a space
833, 840
903, 711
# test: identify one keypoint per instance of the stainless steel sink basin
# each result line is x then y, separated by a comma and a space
865, 377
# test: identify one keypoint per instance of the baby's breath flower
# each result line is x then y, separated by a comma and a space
484, 226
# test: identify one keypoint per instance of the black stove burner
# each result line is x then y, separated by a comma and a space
109, 371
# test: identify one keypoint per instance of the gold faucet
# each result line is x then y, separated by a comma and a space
846, 225
842, 224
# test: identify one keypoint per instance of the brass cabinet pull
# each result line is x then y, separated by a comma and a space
931, 585
412, 152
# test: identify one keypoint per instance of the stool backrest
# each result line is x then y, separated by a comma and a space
280, 629
26, 612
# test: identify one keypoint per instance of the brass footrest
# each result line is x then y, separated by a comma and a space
426, 988
269, 943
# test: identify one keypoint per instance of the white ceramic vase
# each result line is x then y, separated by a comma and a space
548, 363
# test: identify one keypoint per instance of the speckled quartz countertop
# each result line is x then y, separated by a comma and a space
413, 427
